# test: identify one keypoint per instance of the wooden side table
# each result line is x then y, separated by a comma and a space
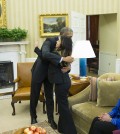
78, 85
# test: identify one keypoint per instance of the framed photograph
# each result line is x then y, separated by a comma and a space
50, 24
3, 13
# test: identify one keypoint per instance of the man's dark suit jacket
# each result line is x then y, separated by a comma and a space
40, 67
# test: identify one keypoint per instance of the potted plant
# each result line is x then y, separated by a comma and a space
4, 34
16, 34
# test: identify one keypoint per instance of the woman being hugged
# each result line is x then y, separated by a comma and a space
60, 77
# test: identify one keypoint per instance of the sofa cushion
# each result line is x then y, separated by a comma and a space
108, 92
85, 110
83, 114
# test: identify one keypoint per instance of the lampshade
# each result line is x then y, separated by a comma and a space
83, 49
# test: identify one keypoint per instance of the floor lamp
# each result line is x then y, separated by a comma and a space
83, 50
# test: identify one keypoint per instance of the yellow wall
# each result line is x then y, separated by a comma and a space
118, 30
24, 14
108, 33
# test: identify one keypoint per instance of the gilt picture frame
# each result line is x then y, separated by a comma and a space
50, 24
3, 13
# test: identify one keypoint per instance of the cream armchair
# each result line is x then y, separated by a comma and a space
84, 110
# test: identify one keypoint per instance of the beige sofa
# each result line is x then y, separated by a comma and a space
84, 110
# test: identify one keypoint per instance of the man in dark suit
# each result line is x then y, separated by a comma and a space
40, 75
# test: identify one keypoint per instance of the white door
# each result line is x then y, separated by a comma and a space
78, 25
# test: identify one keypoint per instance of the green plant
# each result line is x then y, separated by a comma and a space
16, 34
5, 34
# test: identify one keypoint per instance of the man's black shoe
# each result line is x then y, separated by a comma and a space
52, 124
33, 121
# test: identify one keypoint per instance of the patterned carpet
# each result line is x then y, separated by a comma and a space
44, 125
22, 117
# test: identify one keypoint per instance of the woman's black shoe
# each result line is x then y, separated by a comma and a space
60, 131
52, 124
33, 121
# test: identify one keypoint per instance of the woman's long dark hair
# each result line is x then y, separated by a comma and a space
66, 46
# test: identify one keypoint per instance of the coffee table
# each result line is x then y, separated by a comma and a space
44, 124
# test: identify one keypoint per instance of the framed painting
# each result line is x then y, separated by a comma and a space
3, 13
50, 24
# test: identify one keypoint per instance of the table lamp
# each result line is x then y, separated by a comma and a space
82, 50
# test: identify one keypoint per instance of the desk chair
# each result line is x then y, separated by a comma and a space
23, 85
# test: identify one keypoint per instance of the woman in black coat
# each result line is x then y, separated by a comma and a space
59, 75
